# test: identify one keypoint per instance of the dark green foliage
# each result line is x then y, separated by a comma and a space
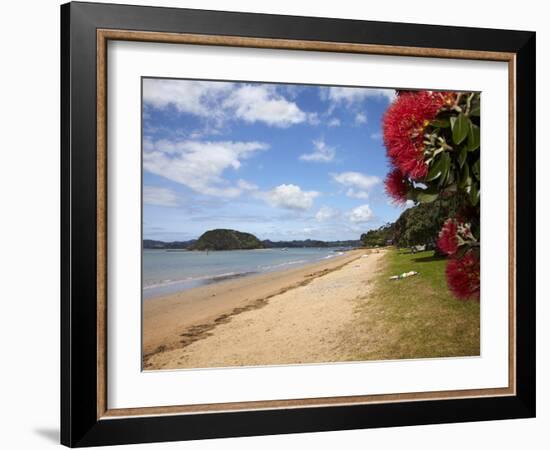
221, 239
310, 243
380, 237
421, 224
161, 245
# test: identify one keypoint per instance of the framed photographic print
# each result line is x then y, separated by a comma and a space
273, 224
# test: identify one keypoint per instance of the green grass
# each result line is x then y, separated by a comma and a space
416, 317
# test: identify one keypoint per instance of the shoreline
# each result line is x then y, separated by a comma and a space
177, 320
155, 290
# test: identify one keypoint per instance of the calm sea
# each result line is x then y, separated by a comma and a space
166, 272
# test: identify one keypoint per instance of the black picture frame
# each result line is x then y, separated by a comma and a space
80, 425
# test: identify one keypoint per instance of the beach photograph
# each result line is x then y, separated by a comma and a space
307, 224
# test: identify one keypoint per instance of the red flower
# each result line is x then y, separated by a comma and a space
463, 276
396, 186
448, 239
404, 124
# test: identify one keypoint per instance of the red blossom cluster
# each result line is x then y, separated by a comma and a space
448, 238
404, 125
463, 275
462, 271
396, 186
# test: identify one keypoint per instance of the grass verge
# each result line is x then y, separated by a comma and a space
416, 317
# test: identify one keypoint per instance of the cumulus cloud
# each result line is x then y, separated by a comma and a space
261, 103
334, 122
353, 193
290, 196
360, 118
199, 165
358, 184
223, 101
326, 213
351, 95
246, 186
322, 152
159, 196
360, 214
189, 96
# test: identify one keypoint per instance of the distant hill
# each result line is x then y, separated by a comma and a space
221, 239
161, 245
309, 243
243, 241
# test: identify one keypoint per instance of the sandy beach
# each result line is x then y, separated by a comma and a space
287, 317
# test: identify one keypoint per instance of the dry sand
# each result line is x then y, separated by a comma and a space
290, 317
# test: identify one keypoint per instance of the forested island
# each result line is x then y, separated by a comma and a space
221, 239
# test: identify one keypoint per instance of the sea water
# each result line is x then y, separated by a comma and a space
170, 271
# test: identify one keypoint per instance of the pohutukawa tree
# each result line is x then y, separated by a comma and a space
432, 140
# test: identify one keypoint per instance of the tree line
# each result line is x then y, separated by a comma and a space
418, 225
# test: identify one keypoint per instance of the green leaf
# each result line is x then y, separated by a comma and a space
412, 194
476, 170
460, 128
439, 167
462, 155
449, 178
473, 138
441, 123
465, 179
423, 195
445, 169
474, 194
426, 197
475, 108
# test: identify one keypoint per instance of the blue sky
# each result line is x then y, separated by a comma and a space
280, 161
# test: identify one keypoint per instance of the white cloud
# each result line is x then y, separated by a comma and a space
352, 94
357, 194
376, 136
262, 103
334, 122
360, 214
224, 100
194, 97
199, 165
313, 118
290, 196
358, 184
159, 196
322, 152
246, 186
360, 118
326, 213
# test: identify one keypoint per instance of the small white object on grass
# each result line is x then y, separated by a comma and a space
404, 275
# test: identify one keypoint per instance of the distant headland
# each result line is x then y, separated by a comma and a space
225, 239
